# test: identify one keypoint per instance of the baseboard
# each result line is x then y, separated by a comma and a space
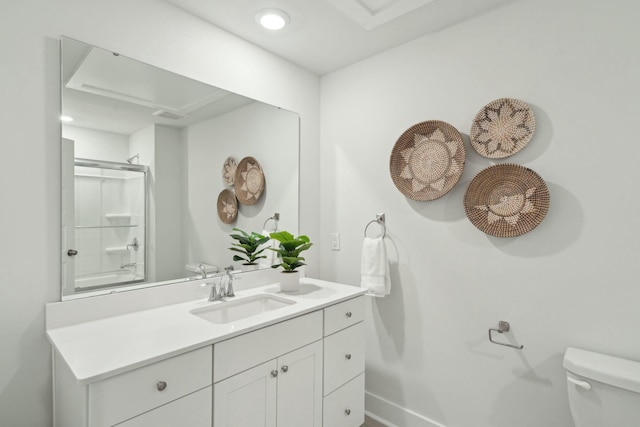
393, 415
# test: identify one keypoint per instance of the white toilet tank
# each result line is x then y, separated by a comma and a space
604, 391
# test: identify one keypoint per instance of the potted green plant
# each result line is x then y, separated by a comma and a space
289, 250
249, 246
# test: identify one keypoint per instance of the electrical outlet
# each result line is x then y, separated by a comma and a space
335, 241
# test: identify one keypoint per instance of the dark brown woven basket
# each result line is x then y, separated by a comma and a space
506, 200
227, 206
502, 128
249, 181
427, 160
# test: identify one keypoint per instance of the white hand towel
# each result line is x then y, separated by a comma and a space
375, 267
271, 256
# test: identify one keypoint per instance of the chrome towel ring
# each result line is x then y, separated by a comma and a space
275, 218
380, 220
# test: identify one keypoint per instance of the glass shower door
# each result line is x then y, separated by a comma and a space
109, 230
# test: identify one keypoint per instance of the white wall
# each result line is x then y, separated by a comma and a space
573, 281
151, 31
261, 131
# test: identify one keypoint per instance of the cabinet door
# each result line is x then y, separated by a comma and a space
193, 410
300, 387
247, 399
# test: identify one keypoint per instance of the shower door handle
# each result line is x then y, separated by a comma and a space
72, 252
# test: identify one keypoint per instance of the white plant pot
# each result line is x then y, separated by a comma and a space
249, 267
289, 281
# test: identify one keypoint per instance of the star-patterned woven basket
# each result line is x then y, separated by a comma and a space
502, 128
427, 160
227, 206
229, 171
506, 200
249, 181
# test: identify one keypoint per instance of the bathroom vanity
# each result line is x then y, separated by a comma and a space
263, 358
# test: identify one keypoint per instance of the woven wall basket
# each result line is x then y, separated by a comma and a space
427, 160
502, 128
227, 206
229, 171
506, 200
249, 181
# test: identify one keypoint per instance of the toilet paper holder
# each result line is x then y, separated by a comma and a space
503, 327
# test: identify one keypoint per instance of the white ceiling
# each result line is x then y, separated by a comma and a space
325, 35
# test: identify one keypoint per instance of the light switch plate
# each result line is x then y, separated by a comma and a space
335, 241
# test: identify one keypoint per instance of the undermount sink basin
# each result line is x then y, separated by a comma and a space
234, 310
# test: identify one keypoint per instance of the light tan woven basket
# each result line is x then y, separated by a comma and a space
502, 128
229, 171
427, 160
249, 181
506, 200
227, 206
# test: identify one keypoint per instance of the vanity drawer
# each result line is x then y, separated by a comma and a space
343, 357
124, 396
345, 406
251, 349
193, 410
343, 315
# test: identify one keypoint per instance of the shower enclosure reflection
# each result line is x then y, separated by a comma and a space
108, 239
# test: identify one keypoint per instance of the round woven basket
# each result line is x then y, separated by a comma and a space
229, 171
427, 160
249, 181
506, 200
502, 128
227, 206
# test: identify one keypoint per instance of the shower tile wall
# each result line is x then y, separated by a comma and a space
105, 218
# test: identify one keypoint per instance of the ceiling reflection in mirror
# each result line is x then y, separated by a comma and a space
145, 157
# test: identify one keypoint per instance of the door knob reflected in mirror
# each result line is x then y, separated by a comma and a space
72, 252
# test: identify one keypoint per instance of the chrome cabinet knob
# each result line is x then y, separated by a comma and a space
347, 356
161, 386
274, 373
285, 368
349, 314
347, 411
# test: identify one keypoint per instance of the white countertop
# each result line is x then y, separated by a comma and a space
102, 348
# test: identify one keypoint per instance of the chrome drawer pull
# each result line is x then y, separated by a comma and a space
347, 411
347, 356
348, 314
161, 386
285, 368
274, 373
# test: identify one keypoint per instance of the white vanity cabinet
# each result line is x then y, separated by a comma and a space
159, 394
260, 380
285, 390
343, 404
302, 369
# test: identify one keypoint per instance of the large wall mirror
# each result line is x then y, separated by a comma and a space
143, 165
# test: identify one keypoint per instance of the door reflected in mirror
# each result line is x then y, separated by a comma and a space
143, 163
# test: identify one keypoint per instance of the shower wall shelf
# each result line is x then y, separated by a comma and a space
106, 226
117, 250
118, 216
87, 175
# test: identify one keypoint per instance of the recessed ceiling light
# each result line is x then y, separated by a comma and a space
66, 119
272, 19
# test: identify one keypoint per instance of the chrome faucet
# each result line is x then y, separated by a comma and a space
228, 271
202, 270
217, 290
